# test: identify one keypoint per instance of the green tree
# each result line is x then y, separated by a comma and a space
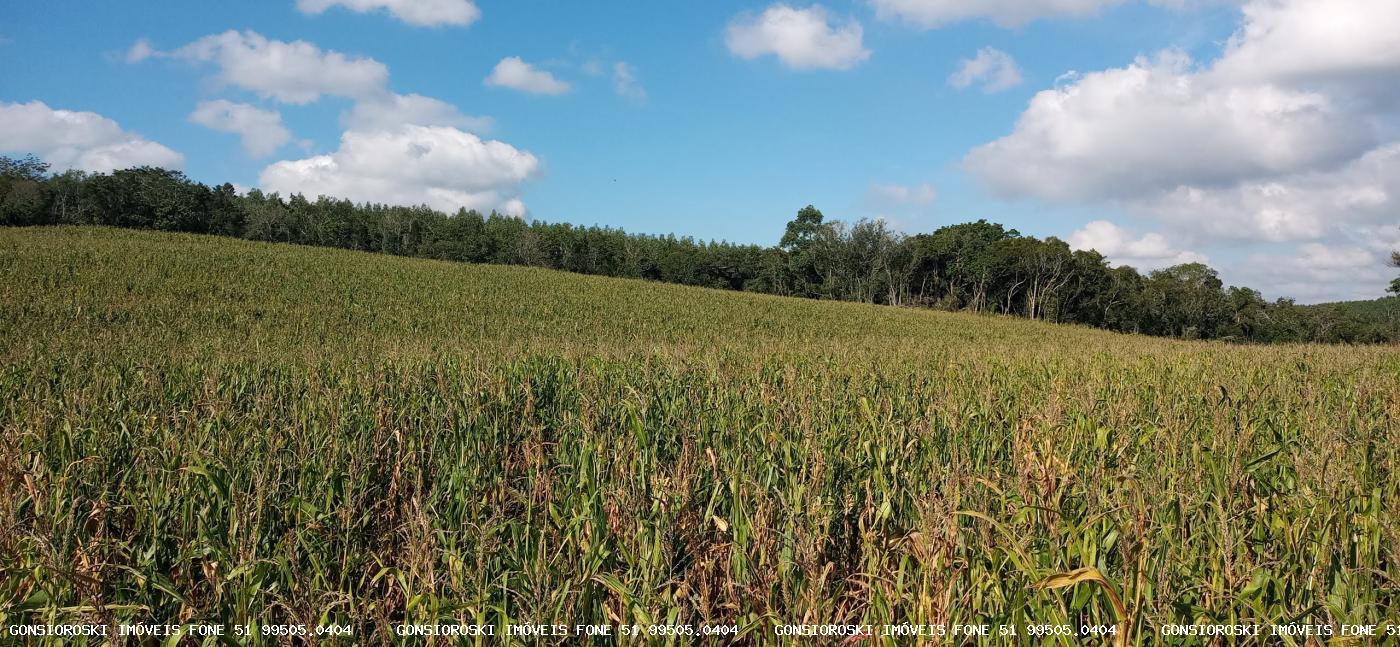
803, 229
150, 198
876, 265
23, 200
70, 198
1123, 300
804, 234
1189, 301
28, 167
1249, 315
1395, 262
225, 214
961, 257
1031, 273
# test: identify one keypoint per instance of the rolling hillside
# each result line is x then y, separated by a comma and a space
207, 428
1385, 310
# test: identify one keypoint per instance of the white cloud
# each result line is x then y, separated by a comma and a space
801, 38
897, 195
1158, 124
140, 51
1287, 137
424, 13
625, 82
1269, 109
1147, 252
1384, 240
1315, 40
300, 72
78, 140
512, 72
396, 149
1325, 258
389, 111
297, 72
994, 69
442, 167
929, 14
512, 207
1316, 273
1306, 206
261, 130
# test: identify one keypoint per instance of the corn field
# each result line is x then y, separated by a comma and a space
198, 428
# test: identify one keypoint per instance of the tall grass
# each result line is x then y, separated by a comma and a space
196, 429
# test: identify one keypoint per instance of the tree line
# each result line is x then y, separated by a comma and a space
976, 266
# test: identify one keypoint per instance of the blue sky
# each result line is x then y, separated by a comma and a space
1251, 134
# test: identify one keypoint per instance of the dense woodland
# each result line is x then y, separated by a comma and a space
976, 266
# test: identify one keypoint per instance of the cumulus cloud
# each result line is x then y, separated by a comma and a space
1306, 206
929, 14
1317, 273
1147, 252
423, 13
512, 207
1267, 111
625, 82
992, 68
260, 130
514, 73
1158, 124
442, 167
78, 140
1332, 41
297, 72
1289, 136
396, 148
898, 195
801, 38
389, 111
